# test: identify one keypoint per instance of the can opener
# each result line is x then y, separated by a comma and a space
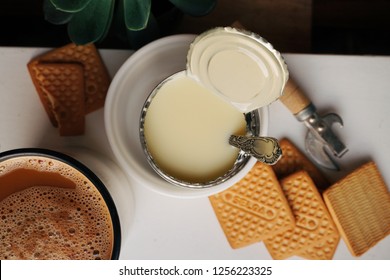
320, 142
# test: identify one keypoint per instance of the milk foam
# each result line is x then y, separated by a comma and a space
53, 222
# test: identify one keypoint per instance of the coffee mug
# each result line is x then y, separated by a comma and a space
54, 207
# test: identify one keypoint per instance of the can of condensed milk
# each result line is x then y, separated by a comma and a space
188, 118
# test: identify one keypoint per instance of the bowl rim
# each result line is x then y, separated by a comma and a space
72, 162
124, 152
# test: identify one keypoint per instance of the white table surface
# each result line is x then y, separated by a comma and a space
355, 87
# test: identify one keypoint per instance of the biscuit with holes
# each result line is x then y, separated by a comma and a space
294, 160
360, 206
315, 235
253, 209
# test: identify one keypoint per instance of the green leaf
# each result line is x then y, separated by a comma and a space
195, 7
53, 15
92, 23
71, 5
137, 13
139, 38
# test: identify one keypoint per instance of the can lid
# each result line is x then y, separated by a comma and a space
240, 66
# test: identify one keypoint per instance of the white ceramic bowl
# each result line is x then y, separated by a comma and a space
128, 91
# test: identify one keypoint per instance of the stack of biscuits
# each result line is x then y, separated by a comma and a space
291, 208
71, 82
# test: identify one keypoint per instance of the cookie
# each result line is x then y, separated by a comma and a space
252, 209
62, 89
38, 81
360, 206
294, 160
315, 235
96, 76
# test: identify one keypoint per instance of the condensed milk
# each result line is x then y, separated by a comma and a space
187, 120
187, 130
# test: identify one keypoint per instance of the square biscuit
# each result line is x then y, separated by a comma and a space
294, 160
62, 87
360, 206
38, 82
315, 235
96, 76
252, 209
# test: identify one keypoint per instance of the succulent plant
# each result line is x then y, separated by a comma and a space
90, 20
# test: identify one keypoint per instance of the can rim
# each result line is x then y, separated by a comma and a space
252, 47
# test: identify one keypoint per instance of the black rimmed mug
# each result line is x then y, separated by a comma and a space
44, 166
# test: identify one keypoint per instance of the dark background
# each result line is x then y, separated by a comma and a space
301, 26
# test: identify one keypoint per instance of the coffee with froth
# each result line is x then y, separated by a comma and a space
54, 209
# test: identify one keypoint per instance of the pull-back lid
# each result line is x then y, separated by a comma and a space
240, 66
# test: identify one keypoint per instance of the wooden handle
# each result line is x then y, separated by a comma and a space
294, 98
